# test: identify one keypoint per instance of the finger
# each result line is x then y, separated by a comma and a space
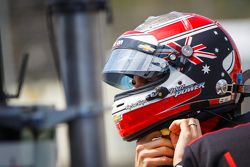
147, 143
182, 129
154, 144
174, 139
175, 126
199, 127
158, 143
157, 152
149, 137
194, 127
159, 161
185, 128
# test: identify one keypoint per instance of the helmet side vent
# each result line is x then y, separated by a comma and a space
119, 105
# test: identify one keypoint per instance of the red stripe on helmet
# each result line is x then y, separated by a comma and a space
132, 33
179, 27
143, 117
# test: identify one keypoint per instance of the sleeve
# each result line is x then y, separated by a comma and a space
179, 164
189, 159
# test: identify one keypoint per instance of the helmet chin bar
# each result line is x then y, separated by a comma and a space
200, 110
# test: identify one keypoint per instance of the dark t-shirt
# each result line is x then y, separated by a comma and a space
228, 147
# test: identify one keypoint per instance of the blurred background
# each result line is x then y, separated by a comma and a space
23, 28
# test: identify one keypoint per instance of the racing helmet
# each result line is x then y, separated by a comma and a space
195, 60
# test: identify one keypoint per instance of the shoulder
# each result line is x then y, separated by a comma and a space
212, 148
229, 132
223, 134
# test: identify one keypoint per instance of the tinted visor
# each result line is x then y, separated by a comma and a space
123, 64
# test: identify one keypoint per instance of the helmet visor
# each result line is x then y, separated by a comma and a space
123, 64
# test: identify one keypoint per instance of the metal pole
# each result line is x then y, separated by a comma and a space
77, 28
2, 93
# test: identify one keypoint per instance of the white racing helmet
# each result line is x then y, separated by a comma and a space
197, 65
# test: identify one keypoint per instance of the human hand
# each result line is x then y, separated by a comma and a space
153, 150
183, 131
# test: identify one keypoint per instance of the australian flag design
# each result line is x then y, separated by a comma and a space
210, 48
